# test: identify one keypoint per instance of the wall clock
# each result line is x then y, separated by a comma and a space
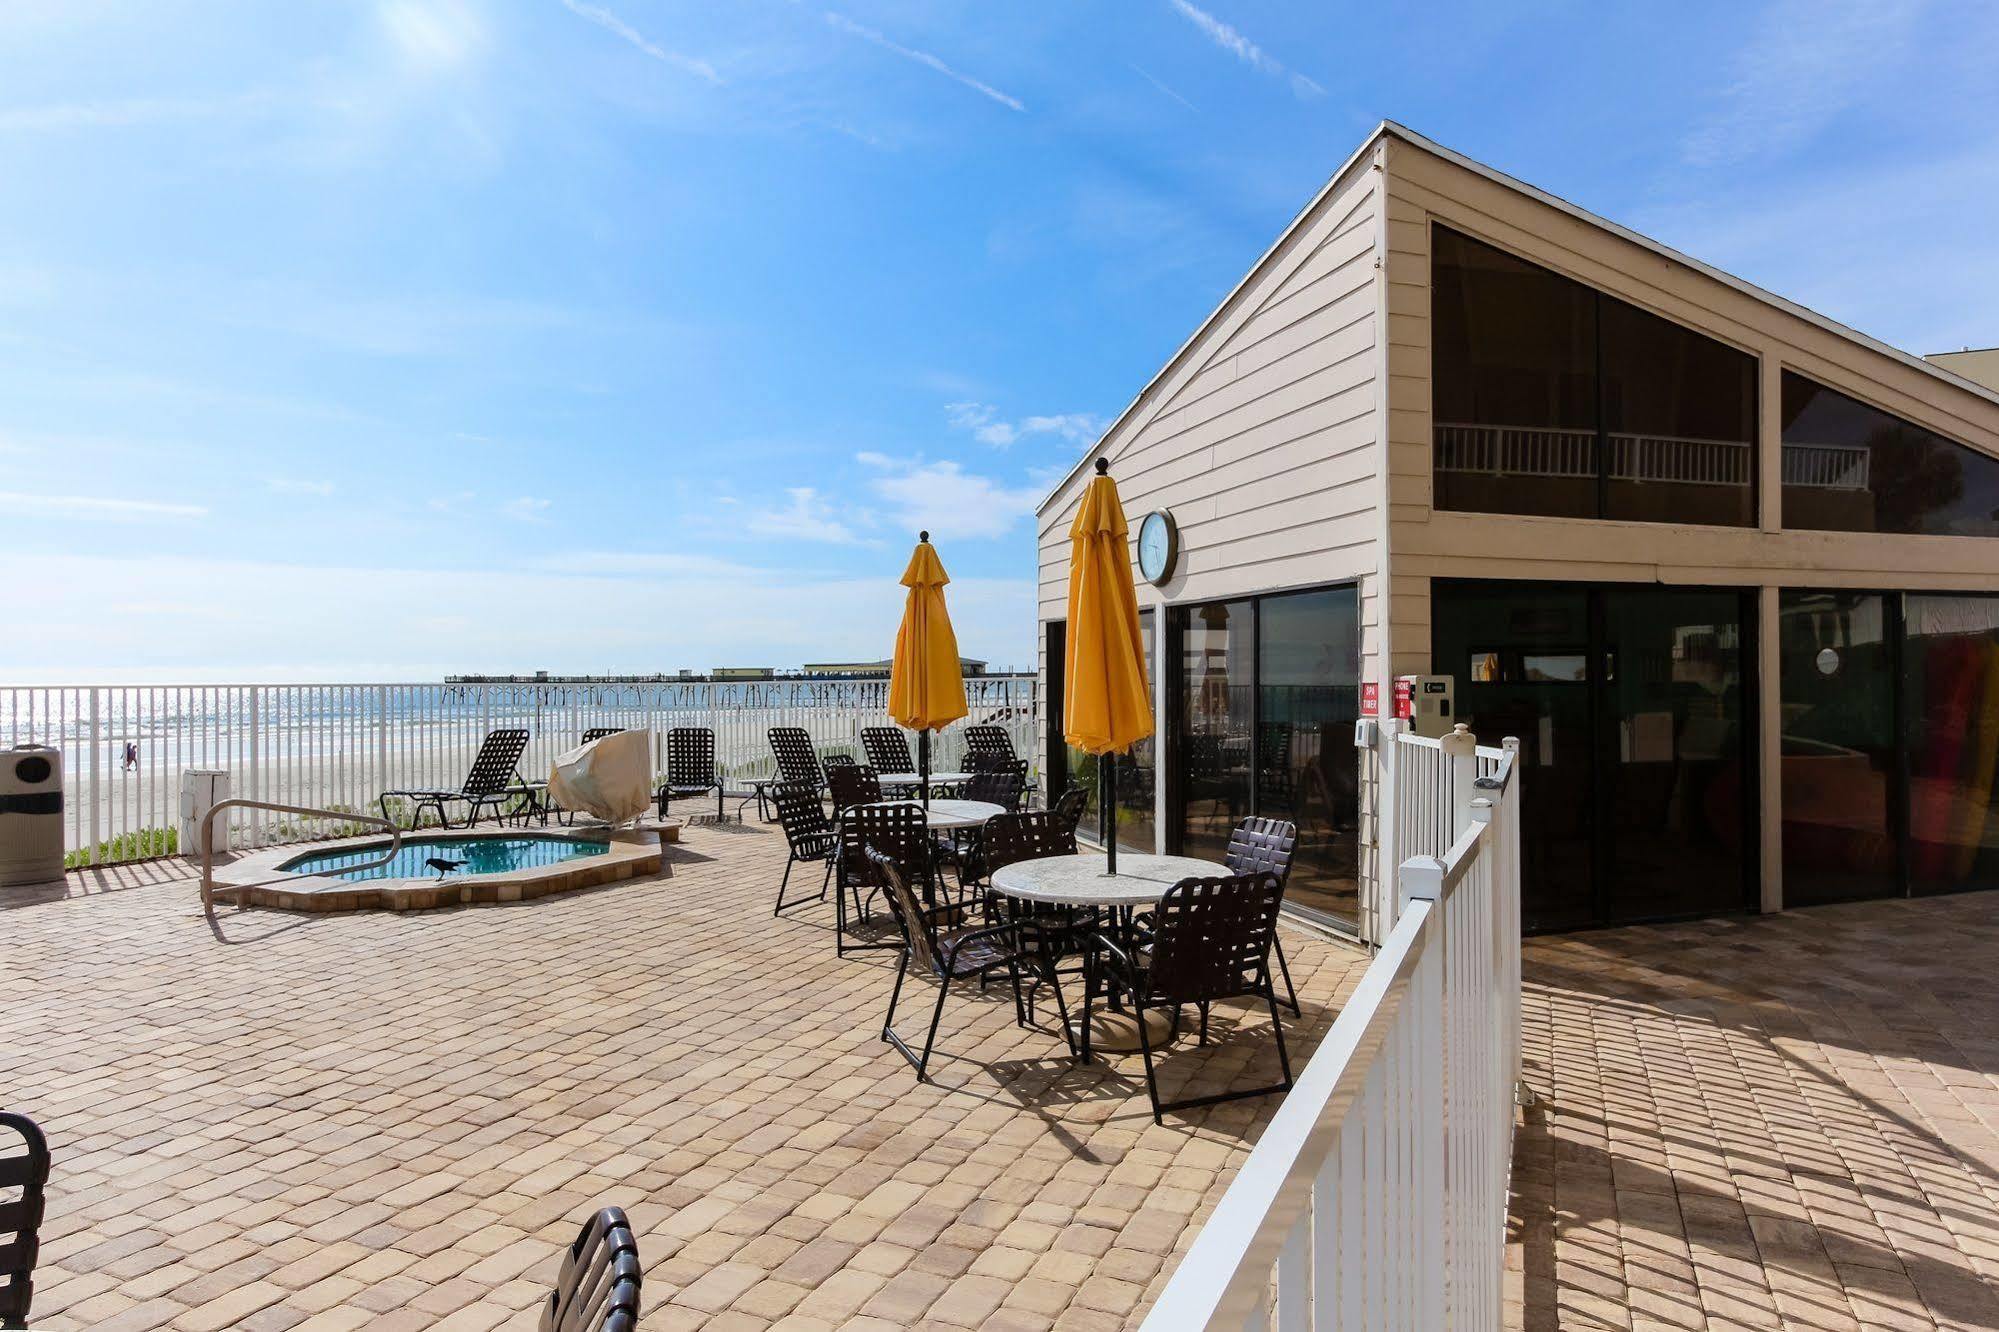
1158, 546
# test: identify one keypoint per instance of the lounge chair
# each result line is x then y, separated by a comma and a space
598, 1287
25, 1171
690, 767
494, 779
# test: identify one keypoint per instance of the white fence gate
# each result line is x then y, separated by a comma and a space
1377, 1197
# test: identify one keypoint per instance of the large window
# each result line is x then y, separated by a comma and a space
1553, 398
1849, 467
1068, 765
1265, 694
1891, 744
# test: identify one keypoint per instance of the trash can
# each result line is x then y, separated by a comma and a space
30, 815
201, 789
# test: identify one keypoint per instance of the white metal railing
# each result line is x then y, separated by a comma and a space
1634, 456
336, 746
1377, 1197
207, 837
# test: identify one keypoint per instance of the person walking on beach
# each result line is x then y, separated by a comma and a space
131, 755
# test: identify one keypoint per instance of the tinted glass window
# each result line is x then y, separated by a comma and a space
1515, 403
1217, 709
1837, 661
1950, 679
1679, 419
1849, 467
1308, 687
1552, 398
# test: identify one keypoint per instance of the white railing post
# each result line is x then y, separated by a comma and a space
1461, 751
1387, 904
96, 778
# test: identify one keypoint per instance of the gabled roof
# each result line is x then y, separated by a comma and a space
1388, 129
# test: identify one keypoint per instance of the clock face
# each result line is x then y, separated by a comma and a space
1156, 546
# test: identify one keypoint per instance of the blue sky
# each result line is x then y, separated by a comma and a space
381, 338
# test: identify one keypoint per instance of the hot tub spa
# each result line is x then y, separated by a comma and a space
436, 869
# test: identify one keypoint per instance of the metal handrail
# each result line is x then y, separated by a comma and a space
208, 837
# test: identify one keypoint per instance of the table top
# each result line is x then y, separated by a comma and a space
936, 778
1081, 881
950, 815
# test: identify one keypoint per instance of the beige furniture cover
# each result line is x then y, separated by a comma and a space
609, 778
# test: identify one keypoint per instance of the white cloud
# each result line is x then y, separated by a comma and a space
847, 25
946, 500
984, 422
1801, 66
1160, 84
610, 22
446, 503
285, 485
433, 35
96, 507
527, 509
1230, 39
808, 517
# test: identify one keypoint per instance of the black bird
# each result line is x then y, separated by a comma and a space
443, 866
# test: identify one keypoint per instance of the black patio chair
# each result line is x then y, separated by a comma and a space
981, 741
493, 780
797, 763
851, 784
690, 767
1035, 834
997, 785
943, 951
596, 733
808, 836
598, 1287
896, 829
1210, 941
887, 749
27, 1172
1070, 805
1259, 846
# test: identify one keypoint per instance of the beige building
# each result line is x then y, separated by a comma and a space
1724, 566
1979, 365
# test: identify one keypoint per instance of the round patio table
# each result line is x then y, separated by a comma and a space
954, 815
910, 779
1080, 881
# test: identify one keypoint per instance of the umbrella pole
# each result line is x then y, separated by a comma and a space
923, 769
1107, 807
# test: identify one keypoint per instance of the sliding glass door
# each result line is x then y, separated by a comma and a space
1068, 765
1628, 703
1262, 698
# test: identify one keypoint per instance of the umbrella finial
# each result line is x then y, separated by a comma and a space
922, 536
1103, 466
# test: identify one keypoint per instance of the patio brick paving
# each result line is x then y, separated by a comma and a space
1787, 1121
396, 1122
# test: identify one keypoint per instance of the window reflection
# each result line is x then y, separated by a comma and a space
1951, 683
1849, 467
1553, 398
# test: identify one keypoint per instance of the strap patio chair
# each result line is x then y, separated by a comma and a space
897, 830
1008, 839
690, 767
851, 784
987, 739
999, 785
598, 1287
887, 749
24, 1172
1259, 846
796, 761
808, 836
1210, 941
494, 779
943, 952
1070, 805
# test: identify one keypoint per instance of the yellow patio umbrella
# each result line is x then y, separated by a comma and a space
1107, 706
926, 682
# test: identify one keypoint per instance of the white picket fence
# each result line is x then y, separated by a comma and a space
1377, 1197
340, 745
